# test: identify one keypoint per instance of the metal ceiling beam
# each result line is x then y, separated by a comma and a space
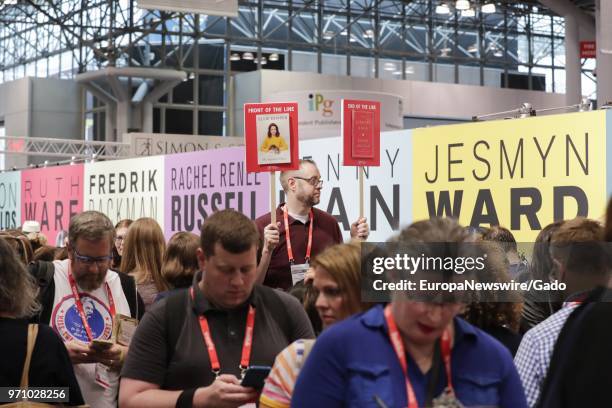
565, 7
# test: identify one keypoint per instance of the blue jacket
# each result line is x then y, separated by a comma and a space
353, 361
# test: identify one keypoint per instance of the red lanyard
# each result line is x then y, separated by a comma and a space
210, 345
79, 304
288, 238
398, 346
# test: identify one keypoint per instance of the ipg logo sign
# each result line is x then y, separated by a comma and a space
317, 102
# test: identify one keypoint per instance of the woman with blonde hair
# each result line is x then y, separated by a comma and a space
142, 258
337, 287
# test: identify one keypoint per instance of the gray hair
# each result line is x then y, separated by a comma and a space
92, 226
284, 175
18, 290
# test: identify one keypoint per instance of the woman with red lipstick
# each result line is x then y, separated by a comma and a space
415, 352
337, 286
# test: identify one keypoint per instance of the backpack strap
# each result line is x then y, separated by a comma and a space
275, 304
128, 284
25, 374
176, 312
43, 272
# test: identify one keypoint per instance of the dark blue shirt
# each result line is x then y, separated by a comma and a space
353, 362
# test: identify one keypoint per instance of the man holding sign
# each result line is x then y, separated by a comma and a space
302, 231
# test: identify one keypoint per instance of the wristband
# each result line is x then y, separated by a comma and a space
185, 399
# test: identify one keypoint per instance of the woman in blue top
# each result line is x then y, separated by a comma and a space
412, 353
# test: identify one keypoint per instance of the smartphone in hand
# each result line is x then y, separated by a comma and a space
255, 376
101, 345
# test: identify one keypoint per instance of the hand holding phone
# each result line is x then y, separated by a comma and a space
255, 376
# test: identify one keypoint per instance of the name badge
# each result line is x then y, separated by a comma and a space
298, 272
447, 400
103, 376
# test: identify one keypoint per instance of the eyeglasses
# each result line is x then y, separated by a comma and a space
90, 260
313, 181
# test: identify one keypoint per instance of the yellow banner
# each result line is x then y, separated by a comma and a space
521, 174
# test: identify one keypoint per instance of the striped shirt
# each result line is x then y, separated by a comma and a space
278, 388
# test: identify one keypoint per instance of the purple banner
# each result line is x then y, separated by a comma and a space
200, 183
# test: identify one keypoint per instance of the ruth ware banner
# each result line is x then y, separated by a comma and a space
51, 196
200, 183
132, 188
271, 136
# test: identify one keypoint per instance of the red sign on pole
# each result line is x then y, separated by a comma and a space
361, 132
588, 49
271, 136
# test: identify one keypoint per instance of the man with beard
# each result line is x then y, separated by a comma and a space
302, 230
80, 298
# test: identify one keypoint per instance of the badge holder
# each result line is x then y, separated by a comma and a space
447, 400
102, 374
298, 272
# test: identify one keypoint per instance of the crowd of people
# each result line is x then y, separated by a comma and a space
123, 318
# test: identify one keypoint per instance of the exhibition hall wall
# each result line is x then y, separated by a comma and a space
39, 107
419, 98
521, 173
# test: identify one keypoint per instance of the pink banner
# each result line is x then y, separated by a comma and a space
200, 183
51, 196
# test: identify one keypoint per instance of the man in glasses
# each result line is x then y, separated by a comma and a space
80, 299
301, 231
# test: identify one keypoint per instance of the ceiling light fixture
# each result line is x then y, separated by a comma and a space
462, 4
247, 56
488, 8
468, 13
442, 9
473, 48
235, 57
273, 57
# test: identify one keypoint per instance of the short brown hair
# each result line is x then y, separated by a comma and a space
284, 175
92, 226
180, 260
233, 230
20, 243
502, 236
577, 245
45, 253
124, 223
